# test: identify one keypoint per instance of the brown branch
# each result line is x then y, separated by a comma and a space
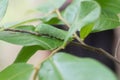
97, 50
67, 2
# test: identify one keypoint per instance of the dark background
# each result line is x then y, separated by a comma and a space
102, 40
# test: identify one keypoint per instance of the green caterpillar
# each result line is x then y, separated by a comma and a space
51, 31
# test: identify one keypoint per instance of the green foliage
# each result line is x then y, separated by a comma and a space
106, 22
111, 6
85, 31
26, 52
51, 31
63, 66
25, 39
82, 13
85, 16
108, 19
19, 71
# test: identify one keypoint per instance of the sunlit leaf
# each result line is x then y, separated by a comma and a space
84, 32
106, 22
19, 71
108, 19
63, 66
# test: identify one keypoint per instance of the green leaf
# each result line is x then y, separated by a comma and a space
105, 22
19, 71
26, 39
26, 27
50, 5
63, 66
26, 52
110, 6
81, 13
50, 19
85, 31
108, 19
3, 7
51, 31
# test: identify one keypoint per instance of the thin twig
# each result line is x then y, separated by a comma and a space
61, 18
23, 31
97, 50
67, 2
85, 46
37, 68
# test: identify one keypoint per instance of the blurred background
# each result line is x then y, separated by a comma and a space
25, 9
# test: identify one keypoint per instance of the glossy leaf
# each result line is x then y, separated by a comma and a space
26, 52
110, 6
80, 14
50, 5
3, 7
63, 66
51, 31
108, 19
19, 71
86, 30
106, 22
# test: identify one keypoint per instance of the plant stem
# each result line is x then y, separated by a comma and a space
85, 46
36, 72
37, 68
97, 50
61, 18
67, 2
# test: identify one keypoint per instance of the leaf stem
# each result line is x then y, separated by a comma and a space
97, 50
37, 68
61, 18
